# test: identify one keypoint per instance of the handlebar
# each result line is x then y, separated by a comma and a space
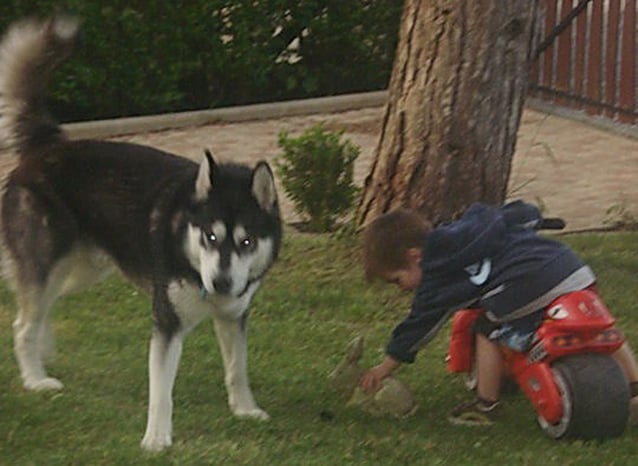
551, 223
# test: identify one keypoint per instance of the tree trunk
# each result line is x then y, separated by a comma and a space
455, 100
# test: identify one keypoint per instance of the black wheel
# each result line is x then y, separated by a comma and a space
595, 396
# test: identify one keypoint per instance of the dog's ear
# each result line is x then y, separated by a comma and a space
263, 187
204, 177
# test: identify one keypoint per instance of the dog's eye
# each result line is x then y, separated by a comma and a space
211, 238
246, 243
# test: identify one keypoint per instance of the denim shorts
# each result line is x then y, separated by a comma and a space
518, 334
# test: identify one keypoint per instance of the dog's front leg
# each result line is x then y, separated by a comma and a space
231, 335
164, 355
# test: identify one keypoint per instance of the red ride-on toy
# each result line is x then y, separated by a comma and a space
576, 387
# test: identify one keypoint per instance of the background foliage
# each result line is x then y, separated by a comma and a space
138, 57
316, 170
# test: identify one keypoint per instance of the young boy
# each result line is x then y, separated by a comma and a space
491, 257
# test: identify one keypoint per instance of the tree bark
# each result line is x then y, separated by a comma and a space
455, 100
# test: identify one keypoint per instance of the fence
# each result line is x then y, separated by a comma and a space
586, 58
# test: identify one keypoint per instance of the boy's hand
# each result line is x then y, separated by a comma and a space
371, 380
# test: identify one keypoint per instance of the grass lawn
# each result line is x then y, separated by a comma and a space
313, 302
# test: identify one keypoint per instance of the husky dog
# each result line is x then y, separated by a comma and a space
198, 238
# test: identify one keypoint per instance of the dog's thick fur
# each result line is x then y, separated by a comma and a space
198, 238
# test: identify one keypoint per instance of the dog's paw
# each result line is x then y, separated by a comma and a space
40, 385
254, 413
155, 442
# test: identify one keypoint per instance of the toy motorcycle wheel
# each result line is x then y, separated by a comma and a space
595, 398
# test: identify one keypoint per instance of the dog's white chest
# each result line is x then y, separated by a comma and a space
192, 306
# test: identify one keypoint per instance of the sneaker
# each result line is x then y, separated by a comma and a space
475, 413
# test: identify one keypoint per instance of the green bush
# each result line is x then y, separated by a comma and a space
138, 57
316, 171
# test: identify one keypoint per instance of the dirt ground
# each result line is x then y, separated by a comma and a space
575, 170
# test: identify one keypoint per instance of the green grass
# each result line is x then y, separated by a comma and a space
314, 301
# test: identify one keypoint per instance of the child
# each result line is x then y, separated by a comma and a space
491, 257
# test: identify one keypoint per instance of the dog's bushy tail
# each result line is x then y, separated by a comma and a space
29, 52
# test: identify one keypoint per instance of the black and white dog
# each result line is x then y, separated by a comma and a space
198, 238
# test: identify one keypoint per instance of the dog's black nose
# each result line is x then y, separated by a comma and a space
222, 285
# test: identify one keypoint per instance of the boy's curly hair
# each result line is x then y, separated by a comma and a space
387, 238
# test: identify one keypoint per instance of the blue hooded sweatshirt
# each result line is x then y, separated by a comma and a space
492, 258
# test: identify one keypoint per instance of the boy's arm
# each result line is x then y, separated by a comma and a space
371, 380
417, 327
430, 310
415, 331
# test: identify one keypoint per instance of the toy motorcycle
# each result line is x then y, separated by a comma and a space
568, 373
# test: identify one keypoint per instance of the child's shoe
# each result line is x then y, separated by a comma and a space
478, 412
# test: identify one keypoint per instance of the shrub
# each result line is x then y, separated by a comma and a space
316, 171
138, 57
